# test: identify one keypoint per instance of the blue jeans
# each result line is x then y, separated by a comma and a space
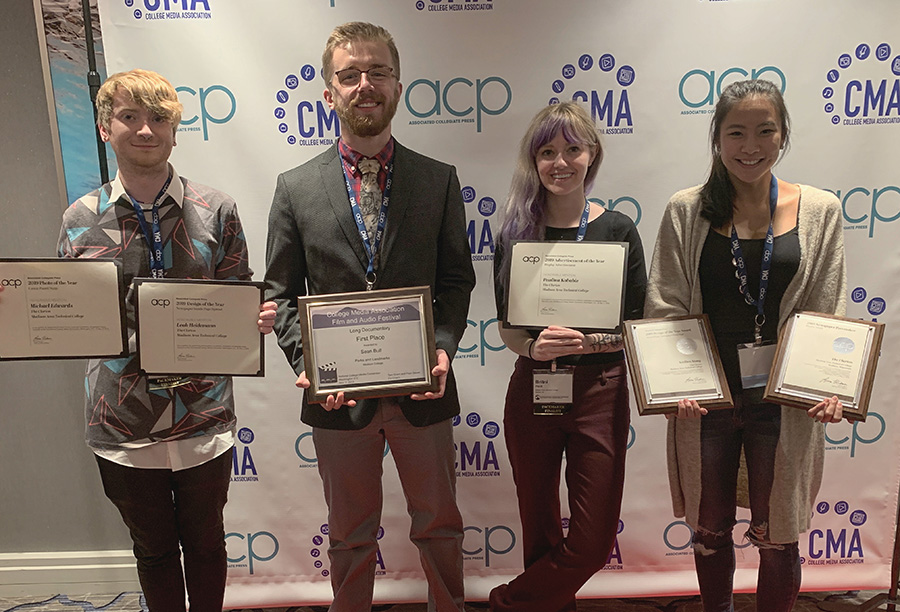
755, 428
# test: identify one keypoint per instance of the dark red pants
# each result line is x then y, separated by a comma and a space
593, 436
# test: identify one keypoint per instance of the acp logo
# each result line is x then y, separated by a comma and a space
476, 457
455, 101
480, 231
875, 306
678, 537
837, 546
479, 543
699, 89
306, 450
243, 468
169, 9
630, 206
869, 432
862, 210
316, 552
15, 283
215, 104
301, 113
604, 89
443, 6
250, 548
161, 303
863, 87
487, 331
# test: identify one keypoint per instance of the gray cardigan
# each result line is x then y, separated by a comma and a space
819, 285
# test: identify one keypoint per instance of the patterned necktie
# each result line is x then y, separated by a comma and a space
370, 196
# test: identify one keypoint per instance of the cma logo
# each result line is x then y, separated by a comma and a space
487, 541
863, 207
482, 344
473, 458
242, 466
251, 548
166, 5
171, 9
456, 100
869, 432
831, 546
699, 88
866, 101
160, 303
306, 450
209, 105
678, 535
479, 231
15, 283
630, 206
303, 121
612, 106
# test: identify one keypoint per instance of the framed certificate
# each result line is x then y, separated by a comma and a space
198, 327
823, 355
574, 284
368, 344
62, 309
674, 358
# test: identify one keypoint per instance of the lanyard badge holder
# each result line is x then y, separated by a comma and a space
755, 358
552, 390
372, 245
153, 236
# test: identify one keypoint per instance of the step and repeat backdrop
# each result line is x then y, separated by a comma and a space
474, 72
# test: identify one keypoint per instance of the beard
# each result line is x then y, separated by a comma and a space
365, 125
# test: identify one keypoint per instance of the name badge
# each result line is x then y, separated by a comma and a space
756, 362
552, 391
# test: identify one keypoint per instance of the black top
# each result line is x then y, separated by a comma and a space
611, 226
730, 316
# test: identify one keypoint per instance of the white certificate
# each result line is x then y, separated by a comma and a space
368, 344
820, 356
672, 359
574, 284
61, 309
199, 327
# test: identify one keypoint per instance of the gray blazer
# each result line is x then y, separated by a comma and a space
314, 247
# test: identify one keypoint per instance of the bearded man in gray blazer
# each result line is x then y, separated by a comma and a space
315, 246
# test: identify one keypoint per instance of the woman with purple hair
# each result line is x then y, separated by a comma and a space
558, 161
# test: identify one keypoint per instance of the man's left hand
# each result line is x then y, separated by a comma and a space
266, 317
440, 370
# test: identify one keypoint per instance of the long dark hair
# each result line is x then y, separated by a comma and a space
717, 194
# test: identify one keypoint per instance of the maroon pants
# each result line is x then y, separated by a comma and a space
593, 436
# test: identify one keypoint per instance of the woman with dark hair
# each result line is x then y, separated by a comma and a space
748, 249
558, 161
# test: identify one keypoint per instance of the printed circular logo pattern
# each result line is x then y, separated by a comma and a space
843, 345
245, 435
301, 113
686, 346
858, 295
863, 88
607, 102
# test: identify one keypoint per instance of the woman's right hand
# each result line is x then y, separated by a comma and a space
688, 409
556, 341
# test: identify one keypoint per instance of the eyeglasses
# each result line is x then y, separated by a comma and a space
350, 77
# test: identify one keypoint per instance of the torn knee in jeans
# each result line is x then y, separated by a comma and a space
758, 535
707, 542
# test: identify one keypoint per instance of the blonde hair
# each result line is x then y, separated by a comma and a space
147, 88
357, 31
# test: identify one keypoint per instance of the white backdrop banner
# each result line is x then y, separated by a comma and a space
474, 73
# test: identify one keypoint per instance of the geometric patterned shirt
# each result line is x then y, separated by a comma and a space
202, 238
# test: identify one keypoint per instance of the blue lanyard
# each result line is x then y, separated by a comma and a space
768, 250
582, 226
153, 234
375, 242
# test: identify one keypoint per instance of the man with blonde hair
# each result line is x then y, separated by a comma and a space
163, 446
328, 222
